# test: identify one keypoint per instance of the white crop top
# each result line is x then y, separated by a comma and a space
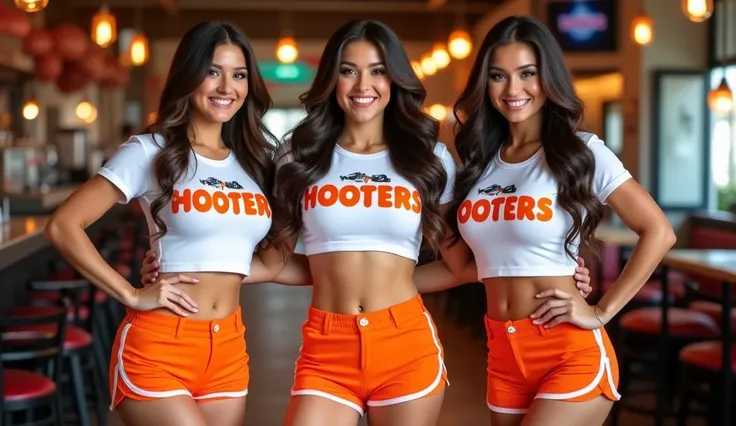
363, 204
215, 219
511, 220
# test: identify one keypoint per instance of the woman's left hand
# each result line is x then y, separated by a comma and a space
563, 307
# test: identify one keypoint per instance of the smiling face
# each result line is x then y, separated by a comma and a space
225, 87
514, 84
363, 86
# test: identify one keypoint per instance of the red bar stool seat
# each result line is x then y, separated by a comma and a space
682, 322
21, 385
25, 311
713, 310
707, 355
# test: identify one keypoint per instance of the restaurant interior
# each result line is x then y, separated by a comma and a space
78, 77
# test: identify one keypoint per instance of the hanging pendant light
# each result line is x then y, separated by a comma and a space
104, 27
138, 50
720, 99
31, 6
697, 10
286, 50
459, 44
642, 29
30, 109
428, 65
440, 56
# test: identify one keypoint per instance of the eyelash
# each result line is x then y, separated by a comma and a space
348, 70
524, 74
240, 74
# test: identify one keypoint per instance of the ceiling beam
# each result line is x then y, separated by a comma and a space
355, 6
436, 4
264, 25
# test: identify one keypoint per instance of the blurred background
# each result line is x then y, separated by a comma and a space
77, 77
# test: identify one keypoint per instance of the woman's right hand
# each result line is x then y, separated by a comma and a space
149, 270
163, 294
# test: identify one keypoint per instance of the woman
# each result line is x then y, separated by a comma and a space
201, 177
529, 196
361, 178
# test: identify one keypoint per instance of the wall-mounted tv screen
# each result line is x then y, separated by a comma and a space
583, 25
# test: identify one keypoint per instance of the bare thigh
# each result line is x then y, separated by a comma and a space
420, 412
173, 411
546, 412
223, 412
502, 419
309, 410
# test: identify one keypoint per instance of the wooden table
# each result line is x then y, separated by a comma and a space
613, 235
39, 202
715, 264
616, 235
21, 237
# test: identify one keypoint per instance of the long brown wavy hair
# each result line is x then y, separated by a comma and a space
245, 134
481, 130
410, 134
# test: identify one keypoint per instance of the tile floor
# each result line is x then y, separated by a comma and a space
274, 314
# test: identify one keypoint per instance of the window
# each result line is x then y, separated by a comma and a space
723, 147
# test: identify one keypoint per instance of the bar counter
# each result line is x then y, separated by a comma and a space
20, 237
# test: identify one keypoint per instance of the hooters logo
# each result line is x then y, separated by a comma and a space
505, 207
233, 202
381, 196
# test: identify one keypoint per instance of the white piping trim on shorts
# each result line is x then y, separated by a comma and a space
312, 392
506, 410
605, 368
331, 397
120, 372
428, 390
238, 394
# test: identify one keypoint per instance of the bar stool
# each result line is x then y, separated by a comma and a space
81, 351
639, 344
702, 363
36, 340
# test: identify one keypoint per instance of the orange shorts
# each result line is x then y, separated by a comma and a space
565, 362
159, 356
374, 359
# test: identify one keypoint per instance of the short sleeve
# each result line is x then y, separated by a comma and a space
129, 168
610, 172
448, 162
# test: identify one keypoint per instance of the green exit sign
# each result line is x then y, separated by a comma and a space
276, 72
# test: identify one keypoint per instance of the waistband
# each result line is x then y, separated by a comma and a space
177, 326
523, 328
392, 317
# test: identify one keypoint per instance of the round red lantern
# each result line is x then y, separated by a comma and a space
48, 67
38, 43
72, 78
14, 22
93, 64
70, 41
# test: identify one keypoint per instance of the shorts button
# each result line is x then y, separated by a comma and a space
216, 328
363, 322
512, 329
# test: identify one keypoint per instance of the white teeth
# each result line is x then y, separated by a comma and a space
363, 100
517, 104
223, 102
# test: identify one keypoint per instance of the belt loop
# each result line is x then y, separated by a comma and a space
396, 319
541, 330
326, 324
238, 323
179, 327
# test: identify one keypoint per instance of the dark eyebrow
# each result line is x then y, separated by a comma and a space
219, 67
517, 69
372, 65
